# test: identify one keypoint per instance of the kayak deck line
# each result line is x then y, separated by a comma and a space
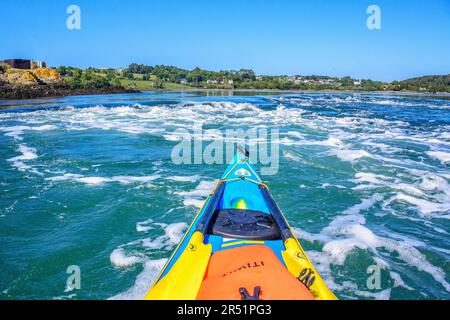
235, 243
238, 242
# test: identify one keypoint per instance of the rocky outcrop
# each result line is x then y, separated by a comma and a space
44, 82
14, 91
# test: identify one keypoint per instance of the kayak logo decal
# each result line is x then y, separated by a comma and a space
249, 265
307, 277
242, 172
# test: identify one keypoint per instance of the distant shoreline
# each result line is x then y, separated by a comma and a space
20, 84
421, 93
65, 92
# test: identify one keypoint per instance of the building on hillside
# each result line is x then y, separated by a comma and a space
326, 81
18, 63
41, 64
25, 64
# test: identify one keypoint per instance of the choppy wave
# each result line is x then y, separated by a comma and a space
348, 232
100, 180
143, 281
197, 196
379, 164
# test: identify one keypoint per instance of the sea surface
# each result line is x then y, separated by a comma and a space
88, 181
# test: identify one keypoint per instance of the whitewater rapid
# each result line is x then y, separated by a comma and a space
363, 179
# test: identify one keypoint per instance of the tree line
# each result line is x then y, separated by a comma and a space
241, 79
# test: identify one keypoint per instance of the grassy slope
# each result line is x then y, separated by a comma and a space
149, 84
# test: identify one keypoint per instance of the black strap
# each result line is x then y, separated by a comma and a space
276, 213
203, 224
246, 296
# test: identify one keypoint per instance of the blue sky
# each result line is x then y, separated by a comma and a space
272, 37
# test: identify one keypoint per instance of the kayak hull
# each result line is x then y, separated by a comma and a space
239, 246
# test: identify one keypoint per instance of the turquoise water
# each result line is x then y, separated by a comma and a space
89, 181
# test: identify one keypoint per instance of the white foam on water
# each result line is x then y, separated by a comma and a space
424, 206
131, 179
193, 203
64, 177
154, 244
428, 193
65, 297
431, 181
364, 205
322, 264
44, 127
27, 154
197, 196
16, 132
394, 103
398, 281
349, 155
348, 232
367, 181
202, 190
442, 156
175, 231
101, 180
296, 134
381, 146
194, 178
408, 188
377, 295
330, 142
144, 226
291, 156
147, 120
363, 177
173, 234
120, 259
310, 237
143, 281
93, 180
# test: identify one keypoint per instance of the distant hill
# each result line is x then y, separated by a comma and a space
437, 83
144, 75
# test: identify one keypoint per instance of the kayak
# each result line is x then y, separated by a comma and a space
239, 247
